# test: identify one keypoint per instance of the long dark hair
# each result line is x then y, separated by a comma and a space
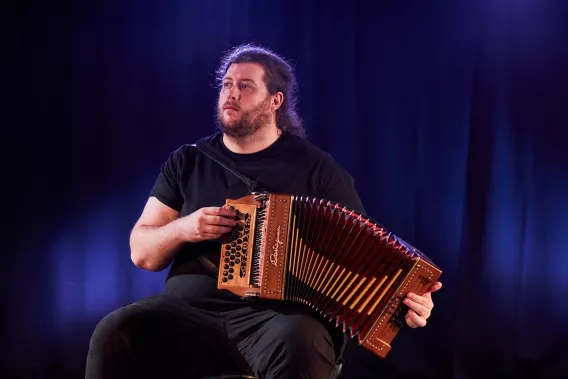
278, 76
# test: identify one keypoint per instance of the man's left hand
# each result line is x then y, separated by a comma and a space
420, 306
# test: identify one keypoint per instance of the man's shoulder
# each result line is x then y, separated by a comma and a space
189, 150
211, 139
323, 159
311, 150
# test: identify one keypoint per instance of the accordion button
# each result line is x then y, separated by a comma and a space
226, 260
225, 266
225, 273
230, 276
237, 261
224, 279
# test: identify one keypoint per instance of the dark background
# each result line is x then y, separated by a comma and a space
450, 115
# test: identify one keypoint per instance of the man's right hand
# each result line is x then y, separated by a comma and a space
207, 223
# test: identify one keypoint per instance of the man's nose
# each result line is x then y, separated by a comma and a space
234, 93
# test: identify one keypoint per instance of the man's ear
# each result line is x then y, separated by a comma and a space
277, 100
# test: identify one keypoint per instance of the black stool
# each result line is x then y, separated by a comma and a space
230, 377
246, 376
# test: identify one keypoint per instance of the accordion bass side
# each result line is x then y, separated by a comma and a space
341, 264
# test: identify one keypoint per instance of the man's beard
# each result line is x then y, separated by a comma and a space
250, 122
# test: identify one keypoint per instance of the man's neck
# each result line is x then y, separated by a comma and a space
263, 138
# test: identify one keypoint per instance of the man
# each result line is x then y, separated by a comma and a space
192, 329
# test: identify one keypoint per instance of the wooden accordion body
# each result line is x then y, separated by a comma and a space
318, 253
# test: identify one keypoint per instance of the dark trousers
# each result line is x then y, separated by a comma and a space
165, 337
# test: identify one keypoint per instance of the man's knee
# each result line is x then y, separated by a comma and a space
112, 331
301, 347
153, 337
124, 326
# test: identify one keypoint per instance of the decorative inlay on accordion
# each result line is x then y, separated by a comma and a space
336, 261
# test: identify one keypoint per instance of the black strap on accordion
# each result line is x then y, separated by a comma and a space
207, 149
252, 185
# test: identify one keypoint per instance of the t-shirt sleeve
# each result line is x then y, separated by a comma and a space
338, 186
167, 185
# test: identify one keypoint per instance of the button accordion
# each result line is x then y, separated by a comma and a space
340, 263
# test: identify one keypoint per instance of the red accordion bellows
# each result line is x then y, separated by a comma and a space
336, 261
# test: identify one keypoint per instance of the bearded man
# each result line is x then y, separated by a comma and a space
192, 329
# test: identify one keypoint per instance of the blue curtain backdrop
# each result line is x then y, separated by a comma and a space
450, 115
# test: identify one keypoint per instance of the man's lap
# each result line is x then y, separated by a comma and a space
264, 335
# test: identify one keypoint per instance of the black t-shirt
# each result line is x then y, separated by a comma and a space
190, 180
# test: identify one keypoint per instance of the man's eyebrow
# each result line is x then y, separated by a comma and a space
242, 80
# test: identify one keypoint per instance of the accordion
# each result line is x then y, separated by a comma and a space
338, 262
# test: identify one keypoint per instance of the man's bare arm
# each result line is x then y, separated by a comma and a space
159, 234
156, 237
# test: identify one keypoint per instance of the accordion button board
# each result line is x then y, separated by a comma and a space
237, 250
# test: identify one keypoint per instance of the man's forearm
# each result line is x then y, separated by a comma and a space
153, 247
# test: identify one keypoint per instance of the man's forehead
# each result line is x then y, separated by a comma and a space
240, 71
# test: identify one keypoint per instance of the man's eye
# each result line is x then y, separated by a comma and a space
226, 85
